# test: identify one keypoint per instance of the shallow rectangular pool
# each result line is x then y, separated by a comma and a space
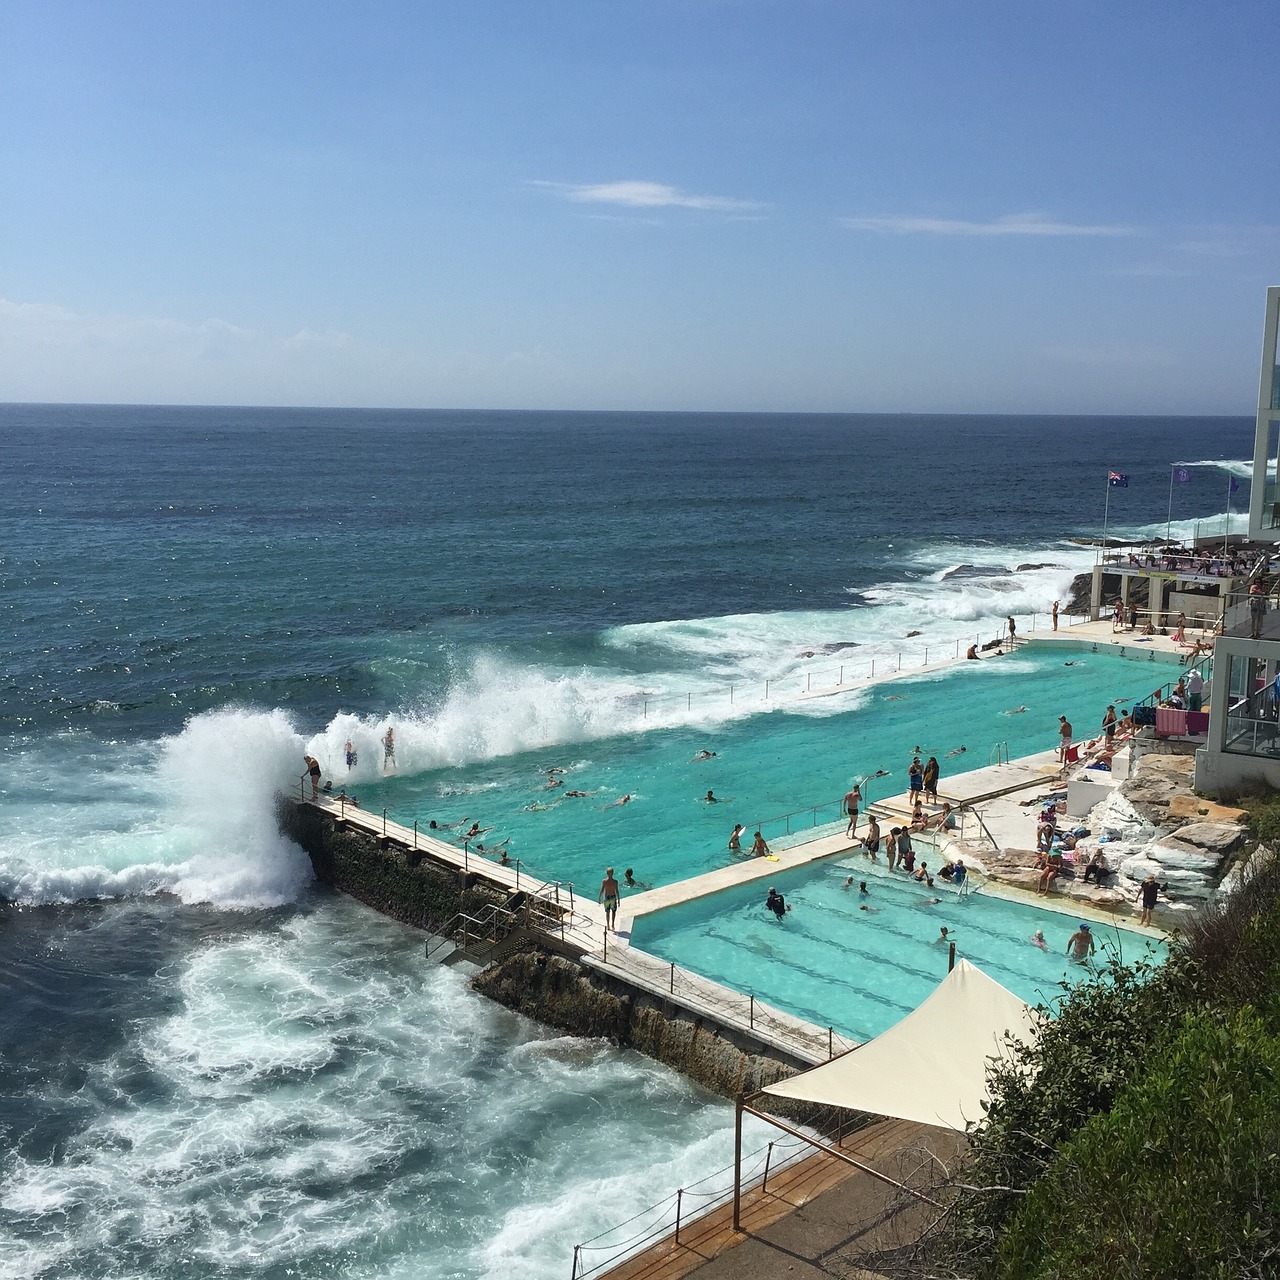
833, 963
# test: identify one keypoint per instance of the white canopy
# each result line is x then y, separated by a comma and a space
931, 1067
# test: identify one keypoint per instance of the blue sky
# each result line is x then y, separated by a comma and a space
703, 204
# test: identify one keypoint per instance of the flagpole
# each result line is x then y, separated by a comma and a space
1226, 533
1168, 524
1106, 511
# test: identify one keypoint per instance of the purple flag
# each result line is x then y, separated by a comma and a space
1182, 475
1235, 485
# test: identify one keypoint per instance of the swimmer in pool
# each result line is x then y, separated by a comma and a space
958, 751
703, 755
1038, 940
1015, 711
621, 800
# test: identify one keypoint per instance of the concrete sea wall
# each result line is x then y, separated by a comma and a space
541, 978
383, 874
584, 1002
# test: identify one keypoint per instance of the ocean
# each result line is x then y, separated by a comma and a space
211, 1067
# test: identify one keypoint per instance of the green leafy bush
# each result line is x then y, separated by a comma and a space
1180, 1178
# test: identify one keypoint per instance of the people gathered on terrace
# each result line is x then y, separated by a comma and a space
1204, 562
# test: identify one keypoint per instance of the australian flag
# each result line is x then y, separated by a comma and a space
1117, 480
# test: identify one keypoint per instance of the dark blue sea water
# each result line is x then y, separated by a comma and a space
213, 1069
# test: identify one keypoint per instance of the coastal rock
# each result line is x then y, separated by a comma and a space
1215, 838
910, 634
1192, 808
1117, 818
1171, 853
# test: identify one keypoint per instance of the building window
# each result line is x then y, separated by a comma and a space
1253, 701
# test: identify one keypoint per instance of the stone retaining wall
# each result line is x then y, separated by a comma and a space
383, 874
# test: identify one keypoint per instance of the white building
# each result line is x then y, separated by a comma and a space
1244, 698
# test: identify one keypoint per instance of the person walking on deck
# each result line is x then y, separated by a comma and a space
1064, 739
1013, 631
1257, 610
1148, 892
1053, 613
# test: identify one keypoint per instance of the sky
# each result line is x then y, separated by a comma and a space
811, 205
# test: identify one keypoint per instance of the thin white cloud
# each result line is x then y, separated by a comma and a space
1014, 224
645, 195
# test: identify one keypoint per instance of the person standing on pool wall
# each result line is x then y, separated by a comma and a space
608, 896
852, 802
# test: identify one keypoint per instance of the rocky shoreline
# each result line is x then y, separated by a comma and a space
1155, 824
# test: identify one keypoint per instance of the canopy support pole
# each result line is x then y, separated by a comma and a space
737, 1163
839, 1155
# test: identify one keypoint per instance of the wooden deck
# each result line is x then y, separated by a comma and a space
812, 1213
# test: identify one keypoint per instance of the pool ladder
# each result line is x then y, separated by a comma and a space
999, 754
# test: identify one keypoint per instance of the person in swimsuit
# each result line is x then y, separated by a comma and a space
871, 841
1053, 613
313, 771
758, 847
388, 750
906, 850
735, 838
1080, 946
350, 752
852, 802
608, 895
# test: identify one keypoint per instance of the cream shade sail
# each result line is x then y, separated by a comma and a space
932, 1066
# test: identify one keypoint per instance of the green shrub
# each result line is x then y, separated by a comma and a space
1077, 1066
1180, 1178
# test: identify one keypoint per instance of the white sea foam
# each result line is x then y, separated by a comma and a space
1242, 468
325, 1101
193, 817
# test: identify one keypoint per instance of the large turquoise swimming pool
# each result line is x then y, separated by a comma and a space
766, 763
834, 964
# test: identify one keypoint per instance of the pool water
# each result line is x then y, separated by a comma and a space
833, 964
767, 763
